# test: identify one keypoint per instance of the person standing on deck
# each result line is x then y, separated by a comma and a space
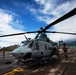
65, 50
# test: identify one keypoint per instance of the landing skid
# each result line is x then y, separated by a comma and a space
39, 60
48, 59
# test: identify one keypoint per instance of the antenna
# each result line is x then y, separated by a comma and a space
61, 39
26, 38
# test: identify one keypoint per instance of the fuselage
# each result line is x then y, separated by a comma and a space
35, 49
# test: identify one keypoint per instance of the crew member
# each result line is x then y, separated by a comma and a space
65, 50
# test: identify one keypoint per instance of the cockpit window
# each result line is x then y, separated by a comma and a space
24, 43
50, 48
31, 44
21, 44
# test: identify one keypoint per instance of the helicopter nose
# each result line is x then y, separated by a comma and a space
20, 51
15, 54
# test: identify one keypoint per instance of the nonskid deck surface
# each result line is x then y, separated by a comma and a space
59, 67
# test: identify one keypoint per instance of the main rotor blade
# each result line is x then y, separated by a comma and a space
60, 32
68, 15
37, 35
18, 34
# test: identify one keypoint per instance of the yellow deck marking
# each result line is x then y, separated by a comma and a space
14, 71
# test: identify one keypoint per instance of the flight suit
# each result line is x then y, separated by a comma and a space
65, 51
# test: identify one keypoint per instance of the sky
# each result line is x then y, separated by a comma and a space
18, 16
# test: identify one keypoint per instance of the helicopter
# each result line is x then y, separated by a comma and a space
41, 46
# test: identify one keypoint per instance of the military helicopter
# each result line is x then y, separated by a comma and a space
41, 46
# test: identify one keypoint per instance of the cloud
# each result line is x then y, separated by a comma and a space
5, 23
7, 41
52, 10
9, 26
5, 18
47, 12
68, 25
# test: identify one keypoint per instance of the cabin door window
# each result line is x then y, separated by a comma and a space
36, 46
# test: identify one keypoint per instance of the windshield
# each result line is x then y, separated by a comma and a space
24, 43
